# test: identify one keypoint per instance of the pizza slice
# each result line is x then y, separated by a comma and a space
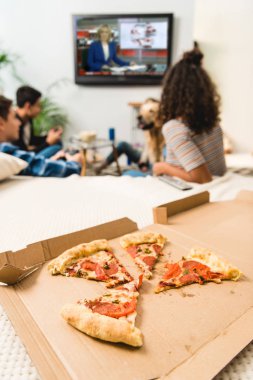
93, 261
145, 248
200, 266
110, 317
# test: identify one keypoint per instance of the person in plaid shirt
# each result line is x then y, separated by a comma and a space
38, 165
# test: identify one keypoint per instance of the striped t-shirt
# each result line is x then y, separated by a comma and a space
188, 150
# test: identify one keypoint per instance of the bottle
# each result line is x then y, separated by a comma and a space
111, 134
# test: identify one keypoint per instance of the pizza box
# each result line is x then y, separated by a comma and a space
191, 332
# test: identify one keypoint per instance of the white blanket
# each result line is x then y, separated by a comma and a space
34, 209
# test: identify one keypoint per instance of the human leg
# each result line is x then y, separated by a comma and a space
125, 148
122, 148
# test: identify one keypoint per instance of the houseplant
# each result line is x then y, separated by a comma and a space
51, 115
9, 60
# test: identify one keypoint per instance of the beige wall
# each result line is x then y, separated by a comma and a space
224, 29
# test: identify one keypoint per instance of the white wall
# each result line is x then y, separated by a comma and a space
224, 29
41, 33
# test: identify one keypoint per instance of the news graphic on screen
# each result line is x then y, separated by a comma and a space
122, 49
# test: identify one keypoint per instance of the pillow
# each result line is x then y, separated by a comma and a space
10, 165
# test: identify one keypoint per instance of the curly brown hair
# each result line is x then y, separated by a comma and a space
190, 95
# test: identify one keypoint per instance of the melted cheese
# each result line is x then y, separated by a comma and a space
216, 263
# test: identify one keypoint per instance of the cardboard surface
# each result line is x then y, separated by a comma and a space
181, 327
226, 226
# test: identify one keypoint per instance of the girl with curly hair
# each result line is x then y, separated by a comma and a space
190, 113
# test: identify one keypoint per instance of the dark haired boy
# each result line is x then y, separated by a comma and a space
38, 165
28, 107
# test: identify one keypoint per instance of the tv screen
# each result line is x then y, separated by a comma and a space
122, 49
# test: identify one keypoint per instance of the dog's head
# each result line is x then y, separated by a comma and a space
148, 114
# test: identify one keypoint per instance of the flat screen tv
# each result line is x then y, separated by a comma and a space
130, 49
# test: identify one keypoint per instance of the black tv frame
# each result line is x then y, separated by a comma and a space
143, 80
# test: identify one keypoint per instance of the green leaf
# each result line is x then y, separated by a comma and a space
51, 115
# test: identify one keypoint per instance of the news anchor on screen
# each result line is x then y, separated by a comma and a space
102, 53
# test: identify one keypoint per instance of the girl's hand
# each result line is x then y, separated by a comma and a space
159, 168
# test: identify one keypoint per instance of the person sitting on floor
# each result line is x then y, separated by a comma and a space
123, 147
28, 107
190, 113
38, 164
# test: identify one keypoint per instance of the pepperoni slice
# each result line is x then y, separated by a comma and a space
212, 275
157, 248
174, 270
132, 250
195, 265
112, 268
189, 279
149, 260
100, 273
112, 310
140, 280
202, 270
165, 284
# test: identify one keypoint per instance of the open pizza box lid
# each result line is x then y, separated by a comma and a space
14, 266
189, 333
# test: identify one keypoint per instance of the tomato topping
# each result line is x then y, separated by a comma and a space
89, 265
100, 274
174, 271
157, 248
140, 280
113, 310
132, 250
149, 260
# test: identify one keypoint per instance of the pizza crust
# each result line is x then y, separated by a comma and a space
142, 237
60, 263
101, 326
216, 263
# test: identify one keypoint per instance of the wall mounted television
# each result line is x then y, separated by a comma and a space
129, 49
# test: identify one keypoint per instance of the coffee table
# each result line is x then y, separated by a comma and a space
95, 145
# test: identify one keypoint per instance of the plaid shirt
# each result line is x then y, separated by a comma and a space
40, 166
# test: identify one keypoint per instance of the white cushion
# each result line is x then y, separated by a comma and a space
10, 165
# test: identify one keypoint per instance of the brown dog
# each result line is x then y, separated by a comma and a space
148, 121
